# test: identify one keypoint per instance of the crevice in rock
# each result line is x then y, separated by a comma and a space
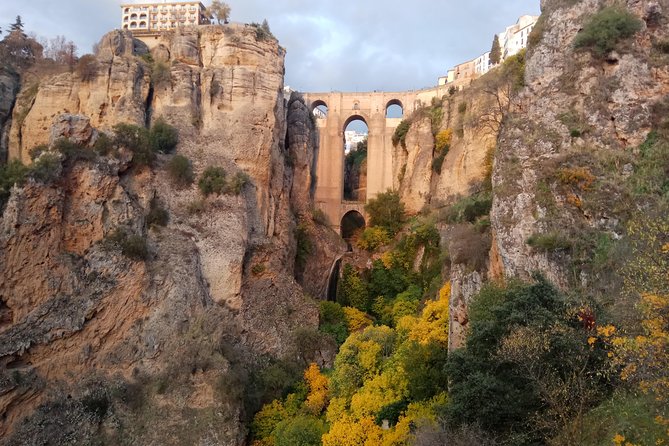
148, 106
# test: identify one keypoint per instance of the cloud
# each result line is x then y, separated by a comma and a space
342, 45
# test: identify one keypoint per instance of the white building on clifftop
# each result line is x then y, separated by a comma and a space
152, 18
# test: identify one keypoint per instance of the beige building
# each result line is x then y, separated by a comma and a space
151, 18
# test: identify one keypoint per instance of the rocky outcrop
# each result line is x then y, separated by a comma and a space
574, 108
9, 87
216, 297
416, 158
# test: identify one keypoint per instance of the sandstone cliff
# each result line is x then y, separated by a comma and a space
91, 336
577, 113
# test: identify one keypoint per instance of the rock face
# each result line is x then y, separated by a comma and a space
171, 340
573, 107
9, 87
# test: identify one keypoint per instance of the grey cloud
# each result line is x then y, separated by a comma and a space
345, 45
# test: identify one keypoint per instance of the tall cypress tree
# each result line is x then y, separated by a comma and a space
495, 51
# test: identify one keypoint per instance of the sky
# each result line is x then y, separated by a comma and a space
332, 45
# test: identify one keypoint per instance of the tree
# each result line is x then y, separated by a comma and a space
19, 50
17, 25
219, 10
61, 50
495, 51
387, 211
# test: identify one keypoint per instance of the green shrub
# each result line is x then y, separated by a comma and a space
11, 173
606, 29
158, 215
391, 412
258, 269
263, 31
72, 151
352, 290
180, 170
387, 211
373, 238
36, 151
469, 209
332, 321
524, 348
400, 134
237, 183
662, 46
104, 145
47, 168
160, 74
196, 207
163, 137
318, 216
303, 246
299, 431
439, 161
551, 241
131, 245
212, 181
135, 139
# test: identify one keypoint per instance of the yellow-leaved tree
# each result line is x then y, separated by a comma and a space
318, 385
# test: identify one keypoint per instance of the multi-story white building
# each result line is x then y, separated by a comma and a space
482, 63
352, 138
156, 17
514, 37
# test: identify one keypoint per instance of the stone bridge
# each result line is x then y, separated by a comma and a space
342, 109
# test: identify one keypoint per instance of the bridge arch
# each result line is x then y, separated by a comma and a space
352, 222
394, 109
319, 108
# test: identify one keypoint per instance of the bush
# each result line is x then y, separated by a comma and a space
303, 246
438, 162
606, 29
47, 168
551, 241
72, 151
158, 215
237, 183
131, 245
180, 170
135, 139
443, 140
11, 173
263, 31
401, 133
526, 357
36, 151
160, 74
469, 247
196, 207
387, 211
163, 137
318, 216
462, 107
212, 181
103, 145
469, 209
86, 67
332, 321
299, 431
373, 238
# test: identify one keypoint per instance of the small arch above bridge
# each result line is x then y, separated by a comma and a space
394, 109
